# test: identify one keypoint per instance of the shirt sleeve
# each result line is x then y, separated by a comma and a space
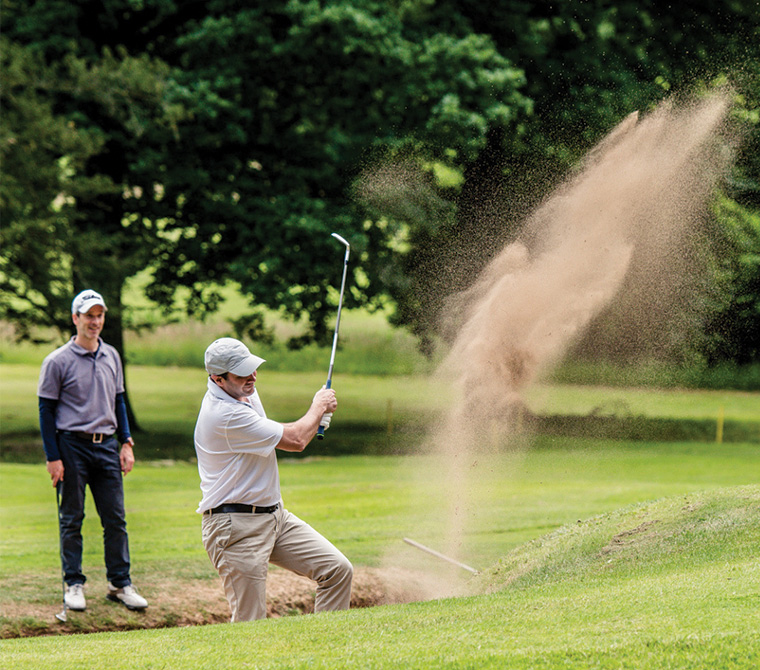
122, 422
49, 385
47, 407
248, 432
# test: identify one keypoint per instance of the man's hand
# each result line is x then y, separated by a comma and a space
55, 468
296, 435
127, 456
326, 398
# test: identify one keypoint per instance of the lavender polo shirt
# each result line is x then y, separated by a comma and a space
85, 384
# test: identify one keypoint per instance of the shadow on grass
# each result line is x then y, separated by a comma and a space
378, 440
151, 445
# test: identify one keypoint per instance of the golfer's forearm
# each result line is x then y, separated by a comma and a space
47, 408
296, 435
122, 422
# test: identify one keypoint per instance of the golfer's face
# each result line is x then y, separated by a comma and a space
90, 324
236, 386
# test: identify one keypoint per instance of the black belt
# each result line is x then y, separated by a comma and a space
231, 508
95, 438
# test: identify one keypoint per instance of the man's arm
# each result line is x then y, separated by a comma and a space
296, 435
47, 407
126, 455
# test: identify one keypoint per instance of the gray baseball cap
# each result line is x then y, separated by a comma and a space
86, 300
230, 355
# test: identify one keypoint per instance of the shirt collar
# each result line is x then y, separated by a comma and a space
220, 393
78, 349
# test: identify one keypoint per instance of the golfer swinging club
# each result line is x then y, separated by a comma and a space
244, 524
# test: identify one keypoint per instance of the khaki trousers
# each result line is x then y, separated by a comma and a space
241, 546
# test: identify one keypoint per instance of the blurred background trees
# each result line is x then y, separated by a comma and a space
205, 142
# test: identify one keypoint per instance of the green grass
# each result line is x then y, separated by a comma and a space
672, 583
368, 503
367, 345
373, 409
725, 375
676, 403
377, 413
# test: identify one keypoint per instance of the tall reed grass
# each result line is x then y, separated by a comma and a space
367, 345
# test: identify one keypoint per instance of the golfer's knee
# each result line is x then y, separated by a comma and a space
342, 571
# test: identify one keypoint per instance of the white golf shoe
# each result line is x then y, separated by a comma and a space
74, 597
127, 596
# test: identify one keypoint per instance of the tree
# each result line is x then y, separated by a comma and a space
586, 66
234, 139
42, 155
313, 92
279, 106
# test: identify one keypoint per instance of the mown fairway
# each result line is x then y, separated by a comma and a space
663, 608
671, 584
571, 589
377, 414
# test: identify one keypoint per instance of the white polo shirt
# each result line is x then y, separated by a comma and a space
235, 444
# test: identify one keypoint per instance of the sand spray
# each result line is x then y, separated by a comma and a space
618, 235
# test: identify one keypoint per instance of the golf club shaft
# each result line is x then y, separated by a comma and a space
337, 321
328, 384
433, 552
62, 616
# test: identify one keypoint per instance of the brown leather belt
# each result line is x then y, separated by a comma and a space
232, 508
95, 438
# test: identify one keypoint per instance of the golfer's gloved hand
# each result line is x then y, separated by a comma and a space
325, 420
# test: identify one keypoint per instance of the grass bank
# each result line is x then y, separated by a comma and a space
672, 583
365, 505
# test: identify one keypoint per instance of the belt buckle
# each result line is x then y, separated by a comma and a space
97, 438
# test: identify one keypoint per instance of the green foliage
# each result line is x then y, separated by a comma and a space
42, 154
216, 142
84, 227
236, 163
733, 330
310, 91
586, 66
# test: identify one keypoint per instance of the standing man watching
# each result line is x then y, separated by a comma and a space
82, 411
244, 524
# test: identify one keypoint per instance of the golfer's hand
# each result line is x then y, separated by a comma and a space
325, 420
127, 457
326, 400
55, 469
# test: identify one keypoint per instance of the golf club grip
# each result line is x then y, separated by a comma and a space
321, 429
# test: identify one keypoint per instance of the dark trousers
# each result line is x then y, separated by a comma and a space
97, 466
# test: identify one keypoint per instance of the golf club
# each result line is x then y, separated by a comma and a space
62, 616
441, 556
321, 429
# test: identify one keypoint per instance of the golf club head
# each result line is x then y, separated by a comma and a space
61, 616
341, 240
